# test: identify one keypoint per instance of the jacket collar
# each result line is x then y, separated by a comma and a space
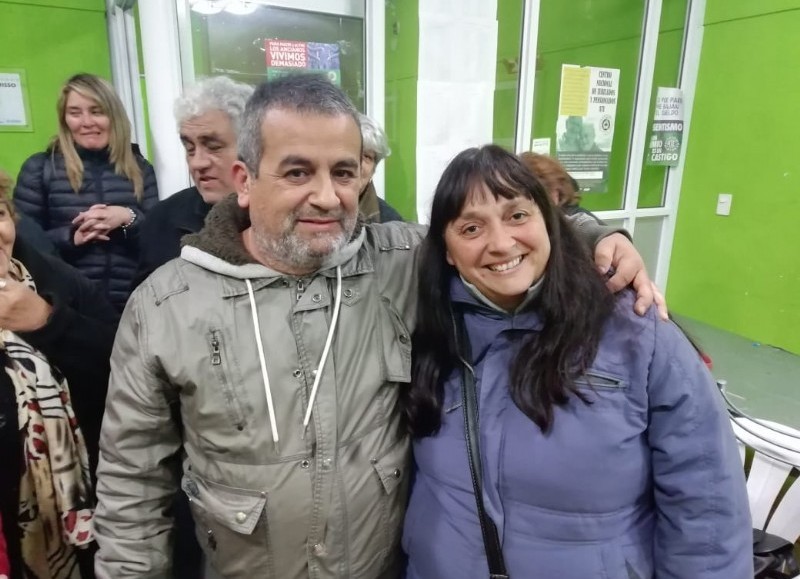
466, 296
193, 211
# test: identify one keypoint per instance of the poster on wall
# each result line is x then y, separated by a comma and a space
666, 132
288, 56
14, 109
585, 127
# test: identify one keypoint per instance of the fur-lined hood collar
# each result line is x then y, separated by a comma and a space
218, 247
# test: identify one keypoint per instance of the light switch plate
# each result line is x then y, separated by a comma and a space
724, 201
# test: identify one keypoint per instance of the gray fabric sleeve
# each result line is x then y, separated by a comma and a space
591, 231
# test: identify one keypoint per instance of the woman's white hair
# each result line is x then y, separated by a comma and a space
374, 138
216, 93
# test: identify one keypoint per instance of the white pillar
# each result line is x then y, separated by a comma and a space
163, 80
375, 50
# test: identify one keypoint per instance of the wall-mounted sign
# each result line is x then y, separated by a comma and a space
541, 145
14, 108
585, 126
288, 56
666, 133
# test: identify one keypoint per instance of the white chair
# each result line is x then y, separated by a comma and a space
776, 453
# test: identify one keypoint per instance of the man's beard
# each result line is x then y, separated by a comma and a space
302, 253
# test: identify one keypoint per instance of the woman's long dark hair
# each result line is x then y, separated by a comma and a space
573, 303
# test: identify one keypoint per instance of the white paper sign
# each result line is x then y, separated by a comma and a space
12, 101
541, 145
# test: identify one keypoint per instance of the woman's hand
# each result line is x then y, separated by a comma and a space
98, 221
618, 252
21, 308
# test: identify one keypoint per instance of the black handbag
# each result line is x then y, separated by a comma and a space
491, 540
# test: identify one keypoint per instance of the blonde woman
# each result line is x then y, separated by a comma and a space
91, 188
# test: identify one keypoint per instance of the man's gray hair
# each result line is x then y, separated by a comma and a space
216, 93
374, 138
301, 93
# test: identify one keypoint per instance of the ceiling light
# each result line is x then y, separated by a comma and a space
208, 7
241, 7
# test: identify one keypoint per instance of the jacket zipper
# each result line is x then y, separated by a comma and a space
216, 358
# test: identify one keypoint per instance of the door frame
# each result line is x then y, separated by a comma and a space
689, 66
165, 29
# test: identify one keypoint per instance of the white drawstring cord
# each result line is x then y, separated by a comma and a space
337, 306
263, 362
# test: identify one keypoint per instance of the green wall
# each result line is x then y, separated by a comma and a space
50, 40
402, 51
742, 272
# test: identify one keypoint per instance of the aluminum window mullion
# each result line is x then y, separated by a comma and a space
690, 65
644, 89
125, 69
527, 76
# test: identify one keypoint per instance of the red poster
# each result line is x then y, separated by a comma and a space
286, 54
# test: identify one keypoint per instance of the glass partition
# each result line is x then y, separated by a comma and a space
602, 35
270, 41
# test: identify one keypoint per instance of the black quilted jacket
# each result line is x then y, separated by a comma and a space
43, 193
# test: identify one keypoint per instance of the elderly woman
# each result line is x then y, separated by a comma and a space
57, 329
556, 433
374, 149
91, 188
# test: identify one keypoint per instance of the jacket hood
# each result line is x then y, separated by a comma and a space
218, 247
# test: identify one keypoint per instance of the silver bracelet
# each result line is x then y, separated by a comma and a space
129, 223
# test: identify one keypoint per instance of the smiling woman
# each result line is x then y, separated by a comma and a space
91, 188
555, 378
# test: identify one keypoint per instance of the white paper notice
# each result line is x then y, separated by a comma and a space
12, 101
541, 146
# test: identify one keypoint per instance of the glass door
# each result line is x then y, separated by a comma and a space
596, 70
252, 41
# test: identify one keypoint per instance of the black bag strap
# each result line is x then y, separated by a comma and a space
491, 540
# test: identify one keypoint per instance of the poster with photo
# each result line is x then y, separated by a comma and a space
585, 126
666, 132
287, 56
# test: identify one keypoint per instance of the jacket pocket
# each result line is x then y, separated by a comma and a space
595, 380
221, 366
396, 344
231, 525
391, 472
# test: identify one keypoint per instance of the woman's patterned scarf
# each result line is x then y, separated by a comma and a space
55, 509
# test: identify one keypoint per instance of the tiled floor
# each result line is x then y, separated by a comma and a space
763, 381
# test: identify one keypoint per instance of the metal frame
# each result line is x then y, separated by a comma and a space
690, 66
527, 76
644, 90
125, 69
